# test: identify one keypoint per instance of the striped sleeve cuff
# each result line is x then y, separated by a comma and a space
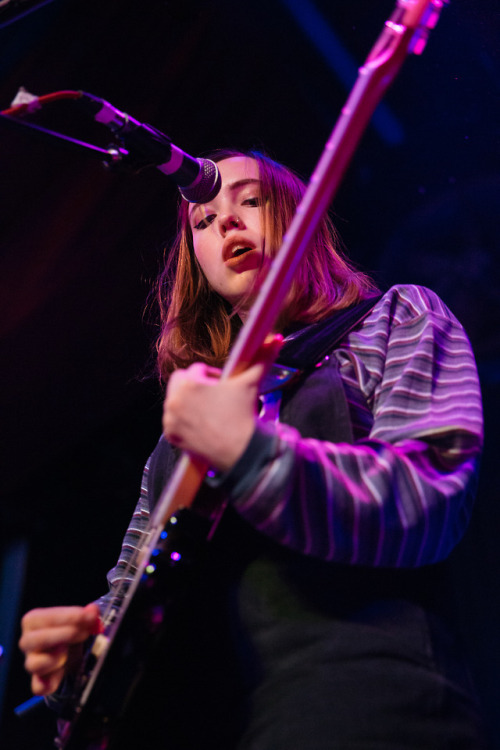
243, 476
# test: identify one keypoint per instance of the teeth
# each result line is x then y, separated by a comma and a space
239, 251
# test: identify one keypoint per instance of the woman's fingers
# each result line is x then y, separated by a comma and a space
48, 637
47, 684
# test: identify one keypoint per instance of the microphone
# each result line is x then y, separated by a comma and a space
198, 180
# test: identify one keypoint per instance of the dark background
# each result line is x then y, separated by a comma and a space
80, 248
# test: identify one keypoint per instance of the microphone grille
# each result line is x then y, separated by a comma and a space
206, 185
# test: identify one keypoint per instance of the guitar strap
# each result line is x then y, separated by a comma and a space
307, 346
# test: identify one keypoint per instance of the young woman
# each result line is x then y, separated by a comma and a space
319, 618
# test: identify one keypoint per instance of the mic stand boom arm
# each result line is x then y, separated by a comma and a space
109, 155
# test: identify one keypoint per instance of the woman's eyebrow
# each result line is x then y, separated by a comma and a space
236, 185
241, 183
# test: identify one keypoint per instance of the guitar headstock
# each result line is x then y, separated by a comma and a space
419, 16
405, 32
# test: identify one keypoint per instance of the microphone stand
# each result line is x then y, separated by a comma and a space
111, 156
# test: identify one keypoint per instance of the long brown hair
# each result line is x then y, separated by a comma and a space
197, 324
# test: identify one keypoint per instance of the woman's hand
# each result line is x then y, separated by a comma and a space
215, 418
51, 639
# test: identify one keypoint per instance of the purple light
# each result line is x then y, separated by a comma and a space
175, 556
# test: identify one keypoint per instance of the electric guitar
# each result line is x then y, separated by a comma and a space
136, 620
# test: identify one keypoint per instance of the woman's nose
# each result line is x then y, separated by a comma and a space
229, 221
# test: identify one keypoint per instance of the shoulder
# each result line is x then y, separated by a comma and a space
404, 303
408, 324
407, 311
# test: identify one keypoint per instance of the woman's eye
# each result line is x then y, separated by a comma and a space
203, 223
253, 201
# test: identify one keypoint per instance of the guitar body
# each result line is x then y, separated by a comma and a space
100, 718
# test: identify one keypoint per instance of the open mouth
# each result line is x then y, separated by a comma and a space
236, 250
238, 256
240, 251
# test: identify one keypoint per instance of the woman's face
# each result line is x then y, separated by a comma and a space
228, 234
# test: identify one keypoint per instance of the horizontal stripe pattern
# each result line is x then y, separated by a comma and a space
123, 571
401, 495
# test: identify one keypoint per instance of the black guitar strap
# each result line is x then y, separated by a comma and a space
305, 347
